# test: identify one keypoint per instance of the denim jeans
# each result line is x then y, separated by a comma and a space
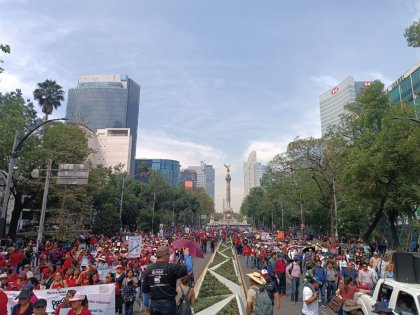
128, 308
331, 288
282, 283
249, 260
321, 291
163, 307
295, 289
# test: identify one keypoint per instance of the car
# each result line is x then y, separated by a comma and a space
403, 298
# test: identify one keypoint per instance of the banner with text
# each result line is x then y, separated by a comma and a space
101, 298
134, 246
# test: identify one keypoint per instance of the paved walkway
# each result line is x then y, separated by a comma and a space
286, 307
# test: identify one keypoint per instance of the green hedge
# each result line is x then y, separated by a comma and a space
228, 271
230, 309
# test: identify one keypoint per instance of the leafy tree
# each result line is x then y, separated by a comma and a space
412, 34
61, 143
6, 50
381, 159
49, 96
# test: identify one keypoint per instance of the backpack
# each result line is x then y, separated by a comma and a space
264, 300
129, 294
183, 307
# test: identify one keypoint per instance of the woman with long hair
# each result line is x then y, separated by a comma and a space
58, 282
75, 279
110, 278
346, 291
66, 303
94, 279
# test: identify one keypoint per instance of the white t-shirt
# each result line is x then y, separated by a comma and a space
311, 309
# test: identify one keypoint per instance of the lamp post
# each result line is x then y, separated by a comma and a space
17, 146
406, 118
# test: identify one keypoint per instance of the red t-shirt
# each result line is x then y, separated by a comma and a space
349, 294
280, 266
84, 311
3, 303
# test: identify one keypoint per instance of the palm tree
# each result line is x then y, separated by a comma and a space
49, 96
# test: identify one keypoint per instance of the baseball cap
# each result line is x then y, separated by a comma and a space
78, 296
40, 303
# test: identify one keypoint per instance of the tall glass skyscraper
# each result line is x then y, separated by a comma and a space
106, 101
205, 177
332, 102
253, 172
169, 169
407, 88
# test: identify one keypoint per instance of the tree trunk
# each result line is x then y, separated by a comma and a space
392, 219
373, 225
20, 204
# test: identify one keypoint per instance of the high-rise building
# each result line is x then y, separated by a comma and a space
253, 172
111, 147
205, 177
169, 169
189, 177
407, 88
332, 102
106, 101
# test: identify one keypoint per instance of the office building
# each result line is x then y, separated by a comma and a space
106, 101
253, 172
407, 88
205, 177
189, 177
332, 103
169, 169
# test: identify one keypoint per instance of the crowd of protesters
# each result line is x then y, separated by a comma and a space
339, 268
76, 263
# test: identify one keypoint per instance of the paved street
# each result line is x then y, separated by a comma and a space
286, 306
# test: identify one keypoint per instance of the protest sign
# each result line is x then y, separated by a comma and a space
134, 246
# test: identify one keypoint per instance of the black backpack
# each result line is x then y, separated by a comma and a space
183, 307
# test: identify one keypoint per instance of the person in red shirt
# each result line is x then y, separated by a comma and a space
68, 261
20, 282
66, 303
3, 302
79, 305
75, 279
58, 282
280, 272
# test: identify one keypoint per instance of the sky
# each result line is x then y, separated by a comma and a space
218, 78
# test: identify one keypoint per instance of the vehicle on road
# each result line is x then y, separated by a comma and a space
403, 298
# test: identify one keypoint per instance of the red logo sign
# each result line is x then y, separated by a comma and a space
366, 84
334, 90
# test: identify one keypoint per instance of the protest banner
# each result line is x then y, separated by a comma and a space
103, 272
134, 246
101, 298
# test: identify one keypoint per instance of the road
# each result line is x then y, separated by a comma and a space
286, 307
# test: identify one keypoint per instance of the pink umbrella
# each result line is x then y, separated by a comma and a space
195, 250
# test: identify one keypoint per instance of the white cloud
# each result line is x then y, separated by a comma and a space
10, 82
266, 150
324, 82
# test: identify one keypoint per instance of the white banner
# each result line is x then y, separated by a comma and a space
134, 246
103, 272
265, 236
101, 298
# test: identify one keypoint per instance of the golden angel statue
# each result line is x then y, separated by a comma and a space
227, 167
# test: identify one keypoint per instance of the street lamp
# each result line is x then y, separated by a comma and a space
17, 146
406, 118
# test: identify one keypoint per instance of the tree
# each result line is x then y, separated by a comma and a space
380, 163
6, 50
49, 96
412, 34
63, 144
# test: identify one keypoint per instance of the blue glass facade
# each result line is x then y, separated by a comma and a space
169, 169
106, 102
407, 89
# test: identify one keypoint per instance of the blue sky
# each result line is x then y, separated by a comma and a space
219, 78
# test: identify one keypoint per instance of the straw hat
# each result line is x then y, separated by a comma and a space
257, 277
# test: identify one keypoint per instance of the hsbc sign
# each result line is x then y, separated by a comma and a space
366, 84
334, 90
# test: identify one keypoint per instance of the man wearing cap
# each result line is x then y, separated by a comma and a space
24, 306
381, 309
160, 282
40, 307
